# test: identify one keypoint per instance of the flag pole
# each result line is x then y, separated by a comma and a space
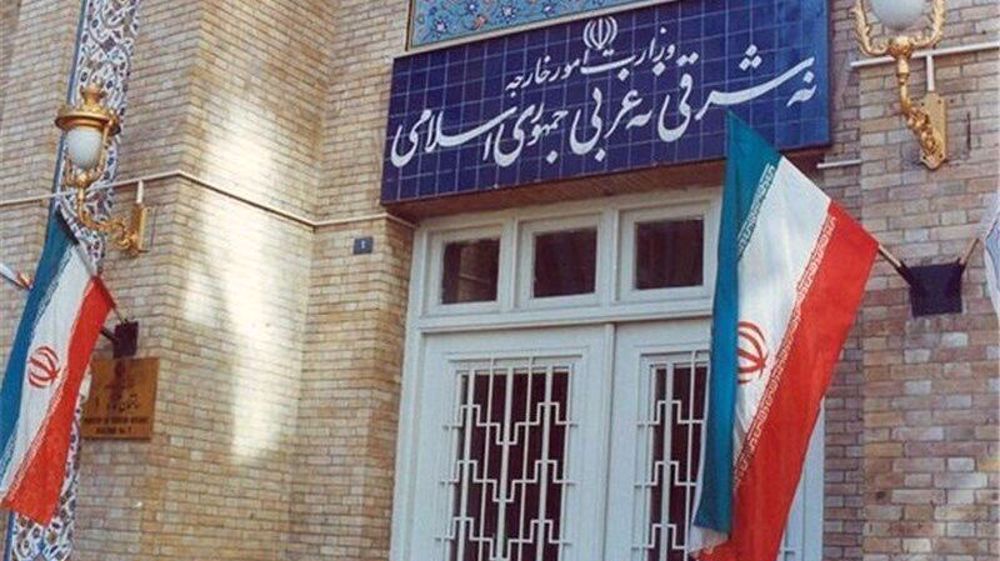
13, 278
118, 314
968, 251
897, 264
18, 281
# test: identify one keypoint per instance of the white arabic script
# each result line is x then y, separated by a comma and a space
509, 133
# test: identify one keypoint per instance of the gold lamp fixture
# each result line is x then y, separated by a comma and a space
89, 127
927, 118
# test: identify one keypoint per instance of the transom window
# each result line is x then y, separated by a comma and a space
669, 253
623, 254
565, 263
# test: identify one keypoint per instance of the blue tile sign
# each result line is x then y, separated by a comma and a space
632, 90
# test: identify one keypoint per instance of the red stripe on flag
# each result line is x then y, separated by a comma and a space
35, 489
764, 496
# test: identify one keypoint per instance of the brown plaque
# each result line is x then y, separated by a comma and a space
122, 399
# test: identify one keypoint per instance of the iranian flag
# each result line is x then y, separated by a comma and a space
792, 272
63, 316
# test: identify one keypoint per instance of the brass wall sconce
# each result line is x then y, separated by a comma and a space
927, 118
89, 127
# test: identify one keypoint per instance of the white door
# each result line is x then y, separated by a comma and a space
509, 446
553, 386
659, 406
660, 375
564, 443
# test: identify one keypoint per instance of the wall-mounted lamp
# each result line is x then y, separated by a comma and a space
89, 127
927, 118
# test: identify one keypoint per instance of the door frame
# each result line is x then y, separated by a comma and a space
513, 310
613, 306
585, 347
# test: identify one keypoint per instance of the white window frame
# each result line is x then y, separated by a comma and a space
515, 308
525, 266
630, 220
432, 295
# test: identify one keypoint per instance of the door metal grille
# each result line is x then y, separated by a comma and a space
669, 432
510, 436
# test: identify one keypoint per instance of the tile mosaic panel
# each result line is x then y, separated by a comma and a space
636, 89
435, 21
105, 43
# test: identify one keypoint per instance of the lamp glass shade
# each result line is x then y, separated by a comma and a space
83, 145
898, 14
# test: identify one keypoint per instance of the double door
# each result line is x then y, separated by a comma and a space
573, 443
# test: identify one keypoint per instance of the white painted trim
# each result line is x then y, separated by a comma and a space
509, 321
517, 308
140, 184
435, 271
637, 348
930, 53
409, 406
695, 308
630, 219
524, 267
834, 164
606, 417
814, 491
589, 206
581, 348
507, 288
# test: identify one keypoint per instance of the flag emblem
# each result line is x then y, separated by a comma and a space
752, 352
43, 367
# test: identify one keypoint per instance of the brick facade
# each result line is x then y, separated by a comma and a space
930, 437
281, 352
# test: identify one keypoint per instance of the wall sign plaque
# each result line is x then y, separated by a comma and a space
122, 399
632, 90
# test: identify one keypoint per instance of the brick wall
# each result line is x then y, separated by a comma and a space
928, 387
843, 500
239, 95
281, 351
222, 295
36, 52
8, 32
930, 384
226, 91
221, 300
34, 63
342, 490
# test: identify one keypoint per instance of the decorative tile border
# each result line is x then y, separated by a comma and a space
105, 42
103, 55
439, 21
